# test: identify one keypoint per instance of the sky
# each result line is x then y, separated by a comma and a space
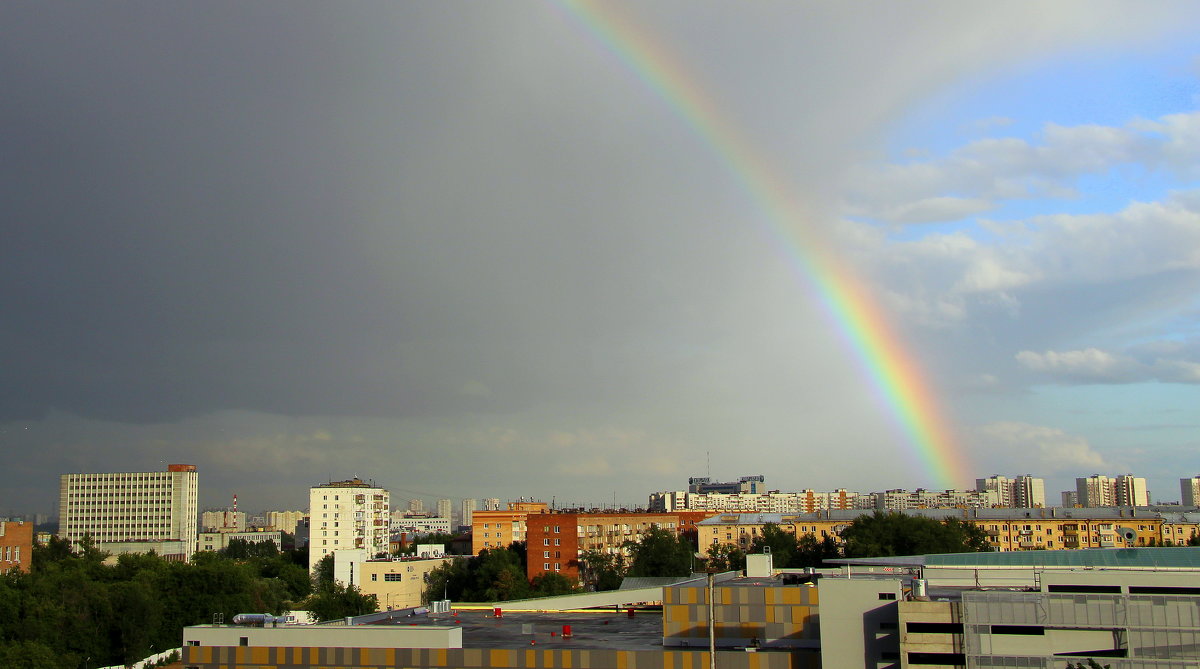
582, 252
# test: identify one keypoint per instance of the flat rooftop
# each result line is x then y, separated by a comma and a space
607, 630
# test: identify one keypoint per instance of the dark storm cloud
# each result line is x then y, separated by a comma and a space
189, 223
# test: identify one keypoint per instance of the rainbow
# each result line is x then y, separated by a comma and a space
881, 355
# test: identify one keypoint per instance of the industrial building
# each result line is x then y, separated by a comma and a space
132, 512
1131, 608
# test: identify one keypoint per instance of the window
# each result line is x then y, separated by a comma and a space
546, 565
374, 577
545, 542
556, 529
934, 628
556, 567
243, 641
887, 595
545, 554
391, 577
557, 542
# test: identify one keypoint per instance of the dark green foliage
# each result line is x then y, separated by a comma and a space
72, 607
442, 538
322, 575
886, 534
813, 552
339, 601
601, 571
782, 543
240, 549
550, 583
725, 557
661, 553
495, 575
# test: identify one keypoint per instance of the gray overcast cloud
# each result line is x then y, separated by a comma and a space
455, 247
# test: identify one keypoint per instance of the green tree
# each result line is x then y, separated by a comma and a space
339, 601
600, 571
813, 552
783, 544
322, 575
887, 534
660, 553
725, 557
32, 655
548, 584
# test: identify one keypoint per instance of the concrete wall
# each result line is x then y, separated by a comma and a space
208, 657
769, 616
860, 622
303, 636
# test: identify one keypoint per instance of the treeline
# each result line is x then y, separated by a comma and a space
499, 574
73, 610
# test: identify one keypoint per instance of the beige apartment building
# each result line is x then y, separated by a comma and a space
1006, 529
498, 529
347, 514
132, 512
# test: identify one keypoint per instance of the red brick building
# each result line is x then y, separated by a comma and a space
16, 545
554, 541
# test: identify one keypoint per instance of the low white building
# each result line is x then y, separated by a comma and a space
215, 541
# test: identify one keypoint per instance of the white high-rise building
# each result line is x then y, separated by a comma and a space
218, 520
285, 521
491, 504
1029, 492
445, 508
1124, 490
347, 514
1189, 490
468, 510
1095, 490
1002, 486
1131, 491
1021, 492
132, 512
416, 506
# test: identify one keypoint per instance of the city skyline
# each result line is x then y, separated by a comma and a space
578, 250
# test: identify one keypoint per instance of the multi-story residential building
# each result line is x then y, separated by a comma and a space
1023, 492
804, 501
1006, 529
132, 512
1095, 490
1179, 528
347, 514
216, 520
1070, 498
285, 521
556, 541
16, 545
468, 508
445, 508
416, 506
491, 504
896, 500
1131, 491
1124, 490
498, 529
215, 541
1189, 491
